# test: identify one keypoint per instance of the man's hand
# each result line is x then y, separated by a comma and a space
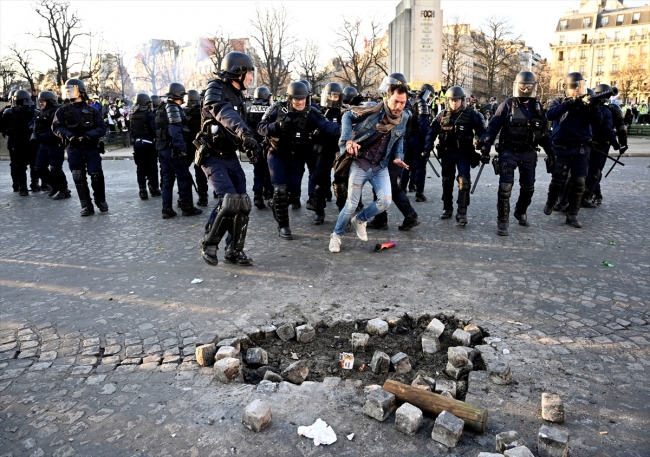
616, 145
485, 159
251, 148
285, 124
400, 163
352, 148
426, 154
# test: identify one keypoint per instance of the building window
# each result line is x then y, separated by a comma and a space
635, 18
570, 69
604, 20
614, 68
572, 54
617, 36
619, 19
564, 24
561, 40
583, 53
560, 56
584, 39
601, 53
582, 69
586, 22
615, 52
599, 70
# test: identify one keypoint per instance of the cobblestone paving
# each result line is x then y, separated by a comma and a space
99, 321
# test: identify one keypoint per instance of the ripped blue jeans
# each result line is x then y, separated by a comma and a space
380, 182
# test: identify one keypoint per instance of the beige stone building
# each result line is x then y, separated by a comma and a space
608, 43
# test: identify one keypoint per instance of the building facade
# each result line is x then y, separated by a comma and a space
608, 43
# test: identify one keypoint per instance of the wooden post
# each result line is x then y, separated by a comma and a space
474, 417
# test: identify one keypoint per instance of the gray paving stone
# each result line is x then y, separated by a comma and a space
379, 405
447, 429
408, 419
377, 327
257, 416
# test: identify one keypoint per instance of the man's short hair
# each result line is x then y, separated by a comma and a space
397, 89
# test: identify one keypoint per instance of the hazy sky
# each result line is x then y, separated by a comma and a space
130, 23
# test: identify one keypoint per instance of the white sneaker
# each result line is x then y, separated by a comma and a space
360, 227
335, 243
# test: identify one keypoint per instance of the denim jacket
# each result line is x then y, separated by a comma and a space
358, 128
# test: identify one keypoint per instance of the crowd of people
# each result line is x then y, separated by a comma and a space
340, 141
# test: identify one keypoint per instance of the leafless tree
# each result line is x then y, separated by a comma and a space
359, 52
22, 58
148, 56
7, 73
122, 78
169, 65
62, 30
456, 43
308, 64
94, 63
632, 78
544, 75
275, 43
494, 46
220, 45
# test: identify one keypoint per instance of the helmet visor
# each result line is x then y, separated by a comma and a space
454, 104
570, 88
330, 99
524, 90
70, 92
386, 83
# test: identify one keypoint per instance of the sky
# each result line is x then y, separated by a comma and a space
129, 23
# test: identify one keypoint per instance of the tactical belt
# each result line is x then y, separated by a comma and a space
565, 147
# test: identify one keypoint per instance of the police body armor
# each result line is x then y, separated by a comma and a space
220, 141
522, 134
296, 140
18, 119
254, 115
168, 112
619, 123
140, 127
43, 124
81, 126
456, 135
420, 108
193, 115
324, 142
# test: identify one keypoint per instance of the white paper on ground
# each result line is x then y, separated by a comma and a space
319, 431
197, 281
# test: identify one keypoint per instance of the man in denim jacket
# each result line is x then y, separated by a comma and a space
374, 136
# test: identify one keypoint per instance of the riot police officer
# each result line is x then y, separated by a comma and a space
287, 126
155, 102
81, 126
418, 143
16, 125
310, 162
456, 128
612, 132
145, 156
171, 129
573, 119
192, 108
261, 177
50, 150
351, 96
223, 131
523, 125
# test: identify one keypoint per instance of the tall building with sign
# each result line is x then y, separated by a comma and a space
416, 41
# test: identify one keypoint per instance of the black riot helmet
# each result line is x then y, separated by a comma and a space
48, 97
73, 89
602, 88
22, 98
455, 93
332, 95
298, 91
235, 65
525, 85
155, 101
306, 83
393, 78
143, 101
349, 93
175, 91
424, 89
262, 93
574, 81
202, 94
192, 98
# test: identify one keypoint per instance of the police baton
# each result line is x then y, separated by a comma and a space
616, 161
433, 168
620, 154
478, 176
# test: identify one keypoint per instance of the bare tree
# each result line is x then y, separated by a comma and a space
494, 46
220, 45
148, 56
632, 79
359, 53
271, 34
122, 78
308, 64
7, 73
23, 59
93, 67
456, 42
544, 75
170, 69
62, 31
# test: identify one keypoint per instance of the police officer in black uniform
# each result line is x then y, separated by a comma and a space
145, 156
262, 187
418, 143
573, 120
192, 108
456, 126
310, 162
351, 96
171, 129
155, 102
17, 125
523, 126
223, 132
612, 132
50, 151
81, 126
287, 126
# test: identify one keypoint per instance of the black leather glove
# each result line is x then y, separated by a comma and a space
251, 148
426, 154
616, 145
75, 142
285, 124
485, 158
178, 153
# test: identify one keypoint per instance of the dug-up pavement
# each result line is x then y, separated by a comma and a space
81, 296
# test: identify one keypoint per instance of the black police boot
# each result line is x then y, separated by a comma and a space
179, 204
328, 196
23, 192
189, 209
575, 197
62, 194
237, 258
208, 251
103, 206
285, 232
46, 188
34, 186
554, 191
79, 178
411, 188
447, 197
99, 190
379, 222
311, 204
203, 199
598, 198
447, 213
53, 191
294, 201
154, 190
525, 198
268, 194
168, 213
87, 208
143, 192
258, 201
587, 200
410, 221
420, 197
463, 203
503, 208
319, 219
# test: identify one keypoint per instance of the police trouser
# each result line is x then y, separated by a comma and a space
452, 161
510, 160
173, 169
322, 179
199, 177
52, 156
576, 161
261, 177
19, 156
145, 157
417, 172
82, 161
597, 162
